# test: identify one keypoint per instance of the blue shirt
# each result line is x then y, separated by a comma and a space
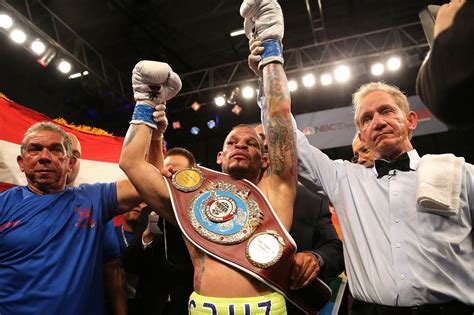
111, 244
51, 249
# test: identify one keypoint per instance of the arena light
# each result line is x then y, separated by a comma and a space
75, 75
64, 66
176, 124
326, 79
195, 130
232, 100
377, 69
78, 75
238, 32
47, 57
211, 124
309, 80
5, 21
38, 47
342, 73
195, 106
219, 100
248, 92
394, 63
236, 109
18, 36
292, 85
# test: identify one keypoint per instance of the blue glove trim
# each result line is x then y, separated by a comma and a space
272, 48
143, 113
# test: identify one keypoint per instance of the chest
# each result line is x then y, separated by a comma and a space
26, 225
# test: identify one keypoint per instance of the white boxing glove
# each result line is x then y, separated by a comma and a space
153, 83
263, 19
264, 22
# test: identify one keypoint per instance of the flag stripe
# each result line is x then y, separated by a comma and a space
16, 119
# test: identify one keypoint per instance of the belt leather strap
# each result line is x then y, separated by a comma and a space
277, 276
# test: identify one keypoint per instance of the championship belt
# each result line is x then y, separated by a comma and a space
232, 221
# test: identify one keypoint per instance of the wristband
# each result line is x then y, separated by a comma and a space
143, 113
272, 48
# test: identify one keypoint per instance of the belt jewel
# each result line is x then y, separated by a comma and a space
223, 214
265, 249
188, 179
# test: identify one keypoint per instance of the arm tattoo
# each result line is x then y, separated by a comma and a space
281, 140
132, 132
280, 132
199, 270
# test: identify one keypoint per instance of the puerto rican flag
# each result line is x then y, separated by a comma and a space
100, 153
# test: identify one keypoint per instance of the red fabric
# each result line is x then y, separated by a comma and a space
16, 119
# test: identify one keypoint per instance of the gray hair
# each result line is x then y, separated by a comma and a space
46, 126
397, 95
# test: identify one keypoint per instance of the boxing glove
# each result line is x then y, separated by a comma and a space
153, 83
263, 20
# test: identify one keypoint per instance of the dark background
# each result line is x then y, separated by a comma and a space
191, 36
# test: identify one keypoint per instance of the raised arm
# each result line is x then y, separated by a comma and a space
446, 78
264, 21
282, 176
153, 84
127, 195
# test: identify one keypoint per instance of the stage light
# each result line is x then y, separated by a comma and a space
326, 79
236, 109
377, 69
211, 124
84, 73
232, 100
5, 21
64, 66
47, 57
247, 92
176, 125
394, 63
195, 106
309, 80
75, 75
238, 32
292, 85
38, 47
342, 73
219, 101
195, 130
18, 36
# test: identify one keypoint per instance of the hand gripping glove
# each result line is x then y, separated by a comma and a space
264, 22
153, 83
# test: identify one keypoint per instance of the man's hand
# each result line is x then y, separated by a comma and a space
305, 270
152, 228
446, 15
159, 116
255, 57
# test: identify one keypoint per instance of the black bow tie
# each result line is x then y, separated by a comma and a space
383, 167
